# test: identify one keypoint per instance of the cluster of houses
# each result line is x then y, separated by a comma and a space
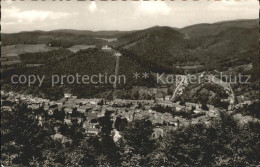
88, 111
71, 110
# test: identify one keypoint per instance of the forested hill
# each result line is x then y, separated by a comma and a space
165, 49
220, 46
65, 37
200, 30
64, 63
212, 46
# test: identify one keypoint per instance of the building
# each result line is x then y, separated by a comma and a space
116, 135
59, 137
106, 47
198, 111
67, 95
91, 101
179, 107
117, 54
167, 97
82, 110
92, 131
34, 106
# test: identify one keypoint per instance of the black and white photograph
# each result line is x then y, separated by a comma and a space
130, 83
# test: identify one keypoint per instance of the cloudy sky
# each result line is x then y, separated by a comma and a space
119, 15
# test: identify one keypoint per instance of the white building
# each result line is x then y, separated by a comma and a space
106, 48
117, 54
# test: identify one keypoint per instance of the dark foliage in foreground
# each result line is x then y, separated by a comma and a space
223, 143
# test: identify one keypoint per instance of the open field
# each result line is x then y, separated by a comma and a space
10, 54
10, 62
108, 39
76, 48
15, 50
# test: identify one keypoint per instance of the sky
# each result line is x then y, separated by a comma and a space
48, 15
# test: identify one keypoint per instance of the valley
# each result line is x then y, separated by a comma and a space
157, 96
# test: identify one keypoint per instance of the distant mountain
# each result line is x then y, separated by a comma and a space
193, 31
38, 36
161, 49
218, 45
112, 33
201, 30
157, 47
67, 36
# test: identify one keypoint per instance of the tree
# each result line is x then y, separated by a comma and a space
24, 135
104, 146
204, 107
138, 140
224, 143
81, 156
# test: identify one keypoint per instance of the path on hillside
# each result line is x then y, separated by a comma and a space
232, 95
232, 92
177, 88
116, 69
